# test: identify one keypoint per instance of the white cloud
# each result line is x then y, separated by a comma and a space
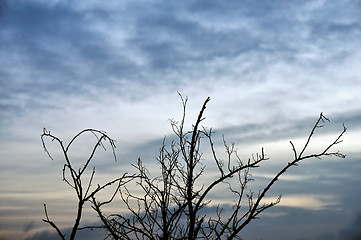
309, 202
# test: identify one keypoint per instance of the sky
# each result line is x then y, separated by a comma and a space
269, 67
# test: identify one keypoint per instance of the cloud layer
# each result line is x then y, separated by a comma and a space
269, 67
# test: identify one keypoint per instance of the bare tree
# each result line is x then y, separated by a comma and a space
172, 204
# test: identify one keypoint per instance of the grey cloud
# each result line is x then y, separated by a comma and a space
45, 38
29, 226
187, 40
31, 26
60, 50
249, 8
81, 235
327, 176
353, 232
46, 235
278, 32
294, 223
49, 52
288, 130
330, 28
259, 132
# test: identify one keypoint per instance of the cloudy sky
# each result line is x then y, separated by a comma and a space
270, 68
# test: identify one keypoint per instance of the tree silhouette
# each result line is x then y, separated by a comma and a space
172, 205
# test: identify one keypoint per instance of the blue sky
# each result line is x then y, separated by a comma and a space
270, 68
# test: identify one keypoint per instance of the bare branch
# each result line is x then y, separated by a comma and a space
52, 224
171, 205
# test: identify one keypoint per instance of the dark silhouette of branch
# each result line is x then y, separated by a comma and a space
83, 191
171, 205
256, 209
47, 220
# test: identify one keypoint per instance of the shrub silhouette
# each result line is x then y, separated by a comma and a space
172, 204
